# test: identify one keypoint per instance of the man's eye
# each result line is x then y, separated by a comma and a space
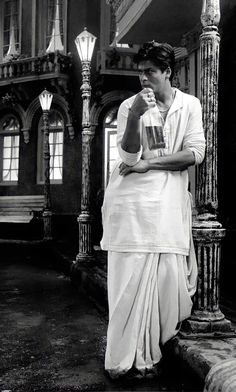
146, 72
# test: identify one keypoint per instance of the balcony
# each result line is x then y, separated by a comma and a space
116, 61
52, 65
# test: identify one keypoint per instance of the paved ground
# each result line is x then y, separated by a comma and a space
52, 337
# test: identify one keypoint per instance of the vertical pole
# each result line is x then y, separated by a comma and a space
207, 231
47, 213
85, 218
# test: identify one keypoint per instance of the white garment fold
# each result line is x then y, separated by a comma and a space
148, 294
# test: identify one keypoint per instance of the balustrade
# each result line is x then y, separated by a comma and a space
52, 63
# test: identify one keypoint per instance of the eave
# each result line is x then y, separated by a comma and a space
162, 20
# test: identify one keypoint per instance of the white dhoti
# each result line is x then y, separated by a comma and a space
148, 294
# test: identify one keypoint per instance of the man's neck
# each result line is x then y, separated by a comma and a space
165, 96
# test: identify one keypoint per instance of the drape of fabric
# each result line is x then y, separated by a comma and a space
148, 294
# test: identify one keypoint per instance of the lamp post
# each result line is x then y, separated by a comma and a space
85, 42
45, 99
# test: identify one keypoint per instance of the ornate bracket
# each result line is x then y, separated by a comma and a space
26, 134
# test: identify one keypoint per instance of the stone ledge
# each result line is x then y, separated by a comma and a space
201, 354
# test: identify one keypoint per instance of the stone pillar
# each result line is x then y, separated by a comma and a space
85, 218
207, 231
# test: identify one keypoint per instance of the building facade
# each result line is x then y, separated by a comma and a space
37, 51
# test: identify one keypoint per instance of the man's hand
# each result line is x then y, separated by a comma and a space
140, 167
144, 101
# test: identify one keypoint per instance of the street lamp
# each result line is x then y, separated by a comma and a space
45, 99
85, 42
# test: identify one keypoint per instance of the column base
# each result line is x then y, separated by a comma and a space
83, 258
195, 328
86, 252
47, 225
207, 319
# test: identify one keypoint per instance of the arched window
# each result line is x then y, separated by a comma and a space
56, 136
9, 148
110, 148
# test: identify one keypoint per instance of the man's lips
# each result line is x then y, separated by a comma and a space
144, 85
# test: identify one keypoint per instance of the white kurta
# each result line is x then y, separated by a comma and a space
151, 212
152, 269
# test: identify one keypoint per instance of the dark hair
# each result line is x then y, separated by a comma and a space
160, 54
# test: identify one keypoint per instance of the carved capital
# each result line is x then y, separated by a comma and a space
210, 13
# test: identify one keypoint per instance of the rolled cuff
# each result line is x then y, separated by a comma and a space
129, 158
198, 153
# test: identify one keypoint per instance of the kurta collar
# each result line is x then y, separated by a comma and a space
178, 101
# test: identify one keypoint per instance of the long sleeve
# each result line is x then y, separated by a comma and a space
128, 158
194, 139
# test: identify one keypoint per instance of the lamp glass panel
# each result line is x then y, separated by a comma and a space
45, 99
85, 44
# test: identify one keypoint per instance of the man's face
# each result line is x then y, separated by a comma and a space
151, 76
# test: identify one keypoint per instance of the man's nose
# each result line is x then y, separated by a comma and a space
143, 76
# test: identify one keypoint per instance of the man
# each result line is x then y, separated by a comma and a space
152, 269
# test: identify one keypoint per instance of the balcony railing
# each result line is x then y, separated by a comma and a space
116, 61
34, 67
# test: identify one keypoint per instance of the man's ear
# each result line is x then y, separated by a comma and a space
168, 72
